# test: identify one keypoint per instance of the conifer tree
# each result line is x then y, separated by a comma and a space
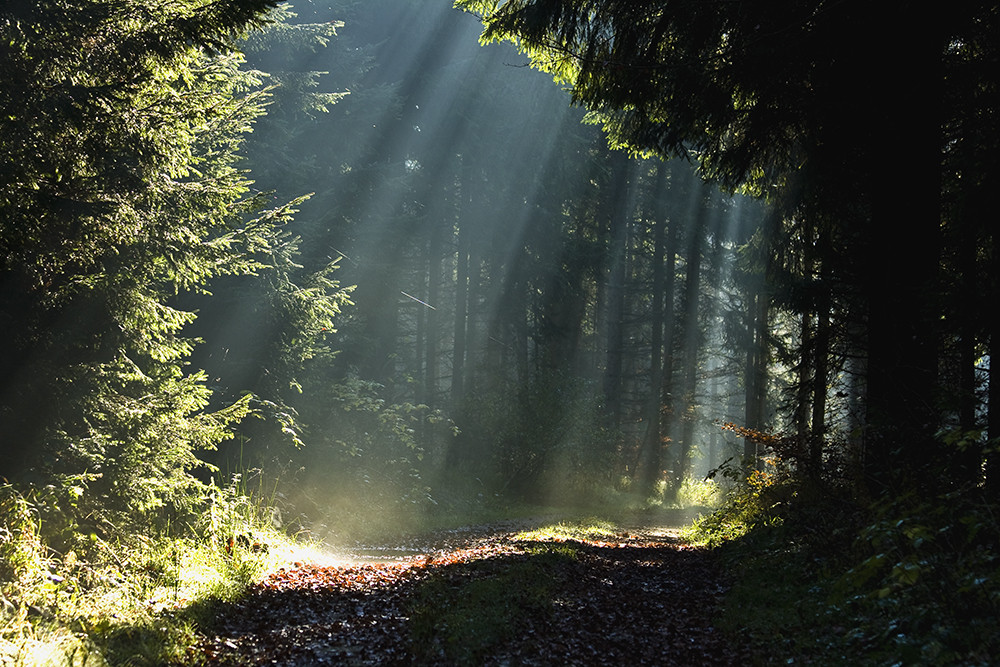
120, 190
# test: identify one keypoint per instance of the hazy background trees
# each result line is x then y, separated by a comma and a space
529, 313
563, 305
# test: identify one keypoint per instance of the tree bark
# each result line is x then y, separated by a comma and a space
651, 454
690, 346
617, 272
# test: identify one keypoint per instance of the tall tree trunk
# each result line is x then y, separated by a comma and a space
435, 256
381, 304
474, 327
758, 355
519, 334
758, 351
619, 225
690, 346
821, 365
454, 455
667, 415
803, 397
993, 391
713, 436
460, 322
651, 453
420, 330
967, 463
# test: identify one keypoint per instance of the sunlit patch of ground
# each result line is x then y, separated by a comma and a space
57, 650
313, 554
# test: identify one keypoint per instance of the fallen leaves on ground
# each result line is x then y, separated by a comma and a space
639, 598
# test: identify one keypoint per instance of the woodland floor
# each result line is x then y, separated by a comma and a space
638, 597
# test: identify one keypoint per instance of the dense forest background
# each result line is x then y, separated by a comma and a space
513, 275
347, 248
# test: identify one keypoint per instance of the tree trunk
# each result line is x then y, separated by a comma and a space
993, 396
651, 454
619, 226
690, 347
435, 255
821, 366
758, 347
460, 322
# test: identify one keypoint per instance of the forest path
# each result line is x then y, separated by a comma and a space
486, 596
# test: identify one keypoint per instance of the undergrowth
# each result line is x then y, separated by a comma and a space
823, 579
128, 597
756, 501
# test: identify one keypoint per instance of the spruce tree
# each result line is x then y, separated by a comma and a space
120, 190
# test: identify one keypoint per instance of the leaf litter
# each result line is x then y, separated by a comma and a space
640, 597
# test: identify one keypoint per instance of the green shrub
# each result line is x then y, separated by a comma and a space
924, 583
758, 499
132, 598
908, 580
701, 493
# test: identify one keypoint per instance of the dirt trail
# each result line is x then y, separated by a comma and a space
640, 597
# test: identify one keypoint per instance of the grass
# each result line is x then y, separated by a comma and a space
587, 530
461, 614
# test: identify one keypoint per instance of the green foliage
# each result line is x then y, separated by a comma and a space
778, 605
377, 442
280, 45
588, 529
925, 583
756, 500
912, 580
21, 549
783, 559
706, 493
114, 206
124, 193
137, 598
366, 468
261, 332
145, 642
671, 78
